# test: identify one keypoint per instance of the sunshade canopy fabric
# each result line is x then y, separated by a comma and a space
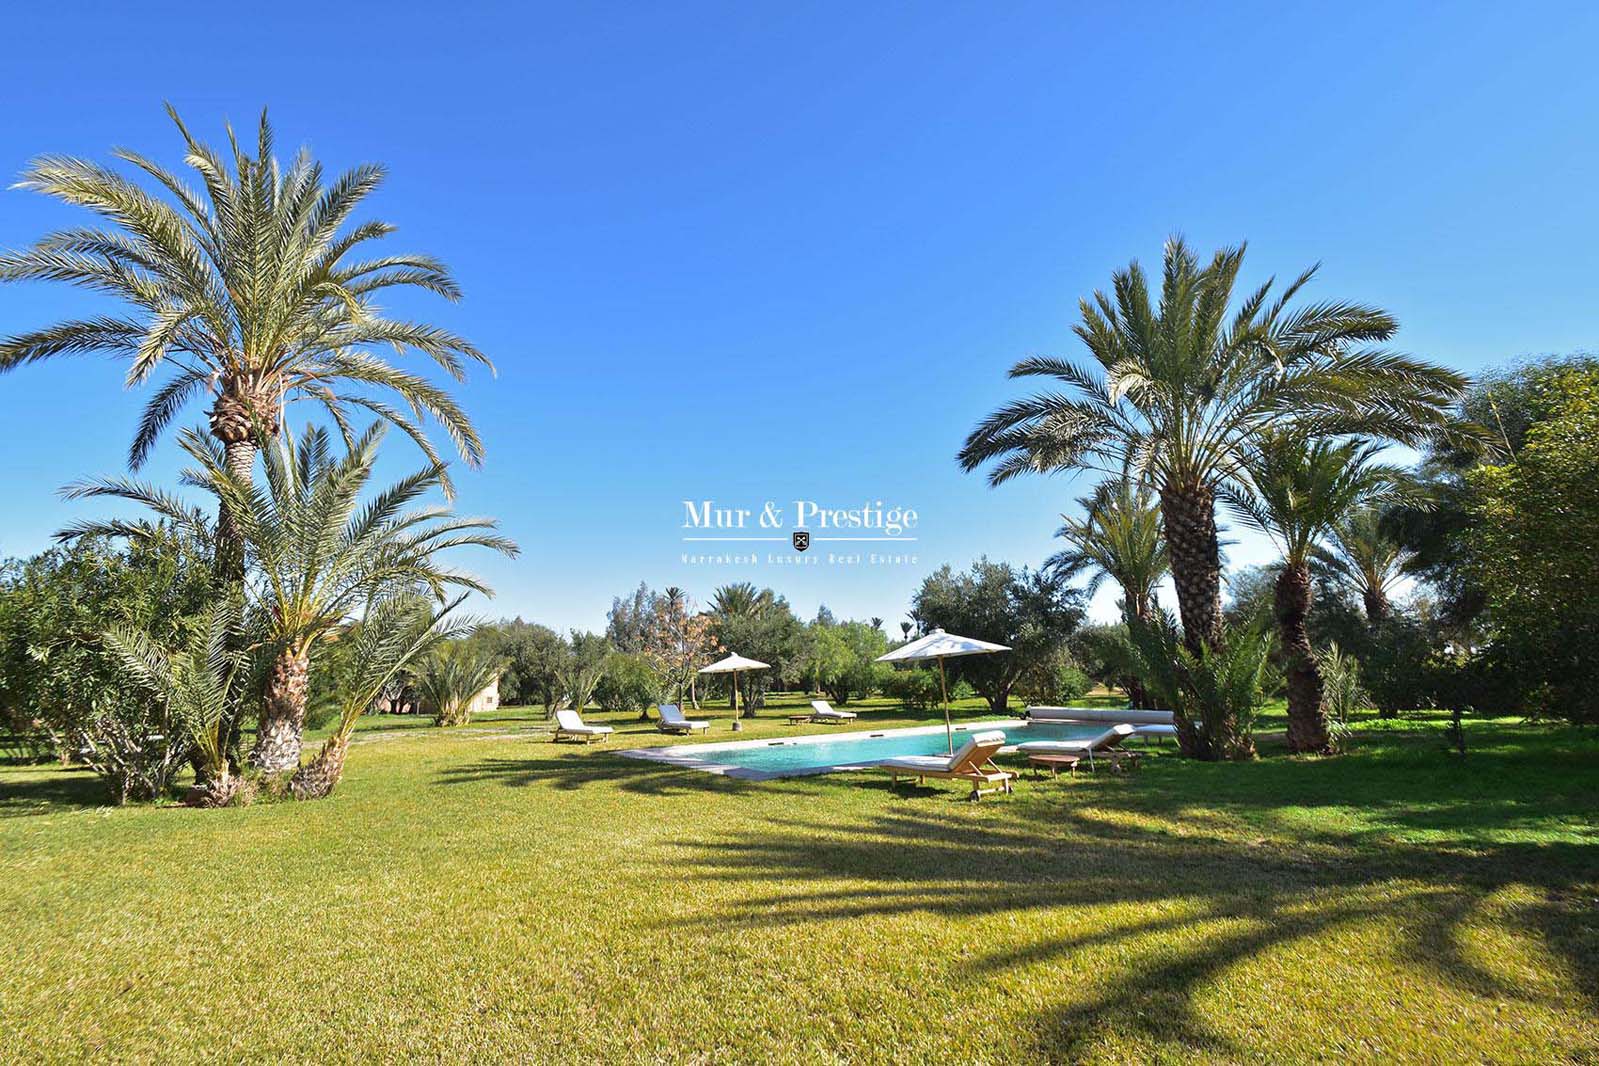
940, 645
732, 664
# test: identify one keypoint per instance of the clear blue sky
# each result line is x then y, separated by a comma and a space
759, 251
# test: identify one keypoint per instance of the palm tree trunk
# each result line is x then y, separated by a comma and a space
277, 738
1189, 515
230, 425
318, 778
1307, 721
1376, 605
1136, 604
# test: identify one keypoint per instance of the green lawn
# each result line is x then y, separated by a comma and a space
484, 892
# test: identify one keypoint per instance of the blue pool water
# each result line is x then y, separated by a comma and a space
811, 754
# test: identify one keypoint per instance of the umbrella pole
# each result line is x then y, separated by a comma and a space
943, 690
735, 695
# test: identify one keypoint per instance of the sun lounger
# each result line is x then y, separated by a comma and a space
672, 721
822, 711
1105, 745
569, 723
973, 762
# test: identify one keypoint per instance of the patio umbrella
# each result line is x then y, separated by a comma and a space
732, 665
941, 645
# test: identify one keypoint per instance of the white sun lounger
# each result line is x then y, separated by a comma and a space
973, 762
822, 711
1104, 744
569, 723
672, 721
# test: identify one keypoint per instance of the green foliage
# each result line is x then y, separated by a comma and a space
630, 619
1442, 535
582, 667
1404, 663
452, 677
757, 624
1215, 694
533, 656
1535, 550
318, 552
1055, 680
255, 288
629, 683
1102, 652
844, 659
1341, 693
1120, 537
916, 687
195, 683
1032, 613
62, 686
1180, 384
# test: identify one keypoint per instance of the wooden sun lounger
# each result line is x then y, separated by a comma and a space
974, 762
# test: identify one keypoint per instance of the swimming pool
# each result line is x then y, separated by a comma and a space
762, 760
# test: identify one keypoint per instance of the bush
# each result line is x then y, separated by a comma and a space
1055, 680
57, 678
916, 688
843, 656
1214, 695
629, 684
1402, 665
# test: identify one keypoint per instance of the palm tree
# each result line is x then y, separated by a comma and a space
197, 682
1360, 554
1178, 388
317, 554
740, 600
1298, 490
392, 634
1119, 537
248, 291
453, 677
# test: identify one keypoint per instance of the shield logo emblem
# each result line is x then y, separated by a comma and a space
802, 539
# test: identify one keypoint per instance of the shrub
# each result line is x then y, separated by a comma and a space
629, 684
1401, 665
452, 678
1214, 695
59, 681
916, 688
1053, 680
843, 658
1341, 691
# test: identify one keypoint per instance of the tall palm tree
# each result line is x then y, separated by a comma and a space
247, 290
317, 553
1298, 490
1119, 537
1361, 555
1179, 386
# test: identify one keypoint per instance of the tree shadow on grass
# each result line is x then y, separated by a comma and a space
574, 768
1171, 897
48, 793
